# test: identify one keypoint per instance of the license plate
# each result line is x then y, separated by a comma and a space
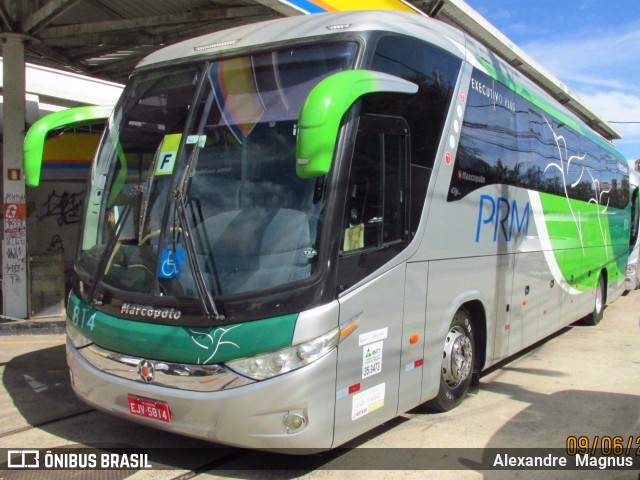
145, 407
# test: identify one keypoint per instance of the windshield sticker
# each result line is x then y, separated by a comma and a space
367, 401
371, 359
168, 154
201, 140
171, 263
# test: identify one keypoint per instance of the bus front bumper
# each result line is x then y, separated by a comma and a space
248, 416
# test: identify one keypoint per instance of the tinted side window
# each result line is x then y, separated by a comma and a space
375, 213
488, 147
435, 71
506, 139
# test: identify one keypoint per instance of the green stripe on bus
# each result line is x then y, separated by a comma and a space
584, 235
170, 343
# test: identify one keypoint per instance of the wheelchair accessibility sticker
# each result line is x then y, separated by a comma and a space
171, 263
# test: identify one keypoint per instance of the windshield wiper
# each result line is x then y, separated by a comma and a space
146, 188
180, 199
205, 295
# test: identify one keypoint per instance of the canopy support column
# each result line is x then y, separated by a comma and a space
14, 211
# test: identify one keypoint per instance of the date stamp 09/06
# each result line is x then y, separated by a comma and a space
604, 445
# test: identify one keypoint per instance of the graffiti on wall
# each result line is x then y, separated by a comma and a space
15, 237
64, 207
58, 212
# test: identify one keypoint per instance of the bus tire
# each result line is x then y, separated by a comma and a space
458, 362
598, 305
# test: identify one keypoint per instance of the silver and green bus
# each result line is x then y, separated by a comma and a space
632, 277
297, 230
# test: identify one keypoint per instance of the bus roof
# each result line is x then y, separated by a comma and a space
451, 13
299, 27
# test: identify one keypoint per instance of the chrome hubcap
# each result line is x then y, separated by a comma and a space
458, 357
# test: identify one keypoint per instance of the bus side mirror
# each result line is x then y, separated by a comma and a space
324, 108
37, 135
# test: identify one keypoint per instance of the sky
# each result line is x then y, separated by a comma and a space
592, 46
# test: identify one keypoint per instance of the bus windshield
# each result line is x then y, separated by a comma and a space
194, 190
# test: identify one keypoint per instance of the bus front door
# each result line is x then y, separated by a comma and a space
372, 277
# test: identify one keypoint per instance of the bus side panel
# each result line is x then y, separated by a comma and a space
552, 299
525, 300
369, 359
414, 322
577, 303
453, 283
498, 346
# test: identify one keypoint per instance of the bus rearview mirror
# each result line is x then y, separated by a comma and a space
324, 109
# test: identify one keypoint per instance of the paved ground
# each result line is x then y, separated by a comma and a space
583, 381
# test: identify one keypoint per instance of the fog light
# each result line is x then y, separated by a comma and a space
294, 422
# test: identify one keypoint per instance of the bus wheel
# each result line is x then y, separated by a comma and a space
457, 363
598, 304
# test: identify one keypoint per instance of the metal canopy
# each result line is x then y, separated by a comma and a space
107, 38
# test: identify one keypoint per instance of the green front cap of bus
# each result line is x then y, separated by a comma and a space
37, 135
324, 109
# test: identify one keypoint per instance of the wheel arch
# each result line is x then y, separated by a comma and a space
474, 302
479, 318
449, 395
605, 276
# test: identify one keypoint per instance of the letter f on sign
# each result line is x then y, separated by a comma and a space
168, 154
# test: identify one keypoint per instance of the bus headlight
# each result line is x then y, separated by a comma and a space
276, 363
